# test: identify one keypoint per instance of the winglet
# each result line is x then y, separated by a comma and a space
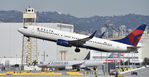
102, 35
92, 35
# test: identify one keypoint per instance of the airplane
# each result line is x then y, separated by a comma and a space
77, 64
67, 39
74, 64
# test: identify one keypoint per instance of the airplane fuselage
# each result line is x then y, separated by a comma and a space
53, 35
65, 64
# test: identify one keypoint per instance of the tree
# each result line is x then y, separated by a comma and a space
34, 62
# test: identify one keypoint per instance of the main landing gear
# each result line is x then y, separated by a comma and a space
77, 49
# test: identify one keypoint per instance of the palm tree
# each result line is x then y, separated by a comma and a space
34, 62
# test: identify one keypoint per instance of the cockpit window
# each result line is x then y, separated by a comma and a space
25, 27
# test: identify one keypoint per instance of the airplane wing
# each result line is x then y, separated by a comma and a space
78, 64
80, 42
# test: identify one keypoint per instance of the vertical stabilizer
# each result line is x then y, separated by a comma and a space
134, 37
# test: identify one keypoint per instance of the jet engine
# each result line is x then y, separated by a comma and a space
68, 67
63, 43
72, 67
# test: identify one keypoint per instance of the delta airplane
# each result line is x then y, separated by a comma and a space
67, 39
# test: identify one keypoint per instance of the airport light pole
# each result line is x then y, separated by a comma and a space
119, 65
134, 60
63, 54
44, 56
107, 63
123, 64
16, 58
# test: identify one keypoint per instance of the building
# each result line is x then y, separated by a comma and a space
10, 60
122, 29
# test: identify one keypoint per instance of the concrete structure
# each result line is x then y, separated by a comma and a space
29, 45
145, 50
114, 33
10, 60
122, 29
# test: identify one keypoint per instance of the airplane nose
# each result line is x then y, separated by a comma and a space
20, 30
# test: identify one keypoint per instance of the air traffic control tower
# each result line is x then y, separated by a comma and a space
29, 45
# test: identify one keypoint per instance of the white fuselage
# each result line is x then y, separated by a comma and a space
53, 35
64, 64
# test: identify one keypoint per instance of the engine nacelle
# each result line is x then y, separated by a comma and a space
63, 43
82, 66
72, 67
68, 67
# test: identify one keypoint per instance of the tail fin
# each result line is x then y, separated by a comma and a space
134, 37
87, 57
102, 35
111, 55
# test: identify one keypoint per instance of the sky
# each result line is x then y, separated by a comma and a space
81, 8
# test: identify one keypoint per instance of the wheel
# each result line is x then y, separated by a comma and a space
95, 68
77, 50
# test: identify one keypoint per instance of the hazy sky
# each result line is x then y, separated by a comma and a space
81, 8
